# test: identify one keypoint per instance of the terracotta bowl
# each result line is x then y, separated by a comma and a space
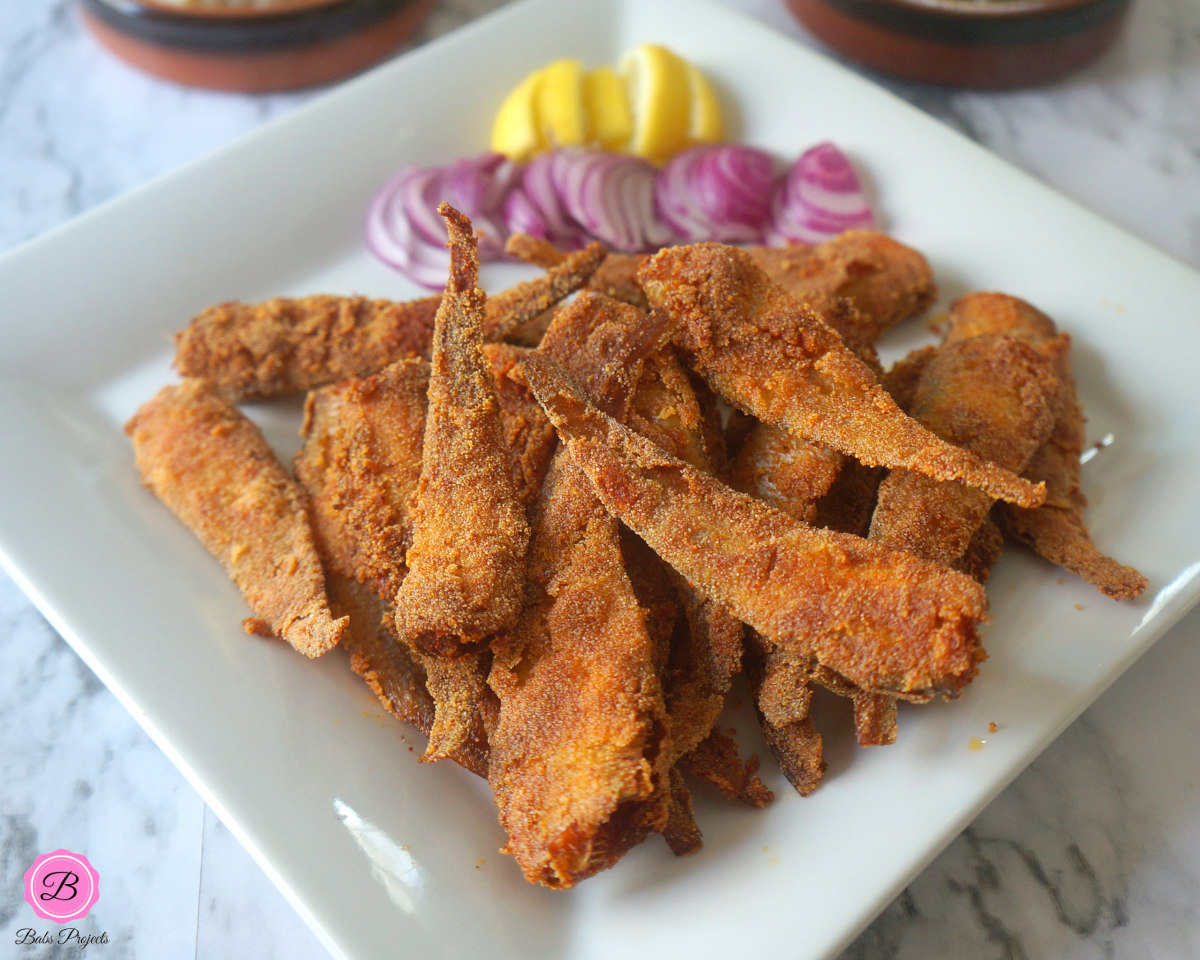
290, 44
987, 44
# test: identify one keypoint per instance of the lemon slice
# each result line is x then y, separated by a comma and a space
561, 117
607, 105
660, 92
515, 131
706, 125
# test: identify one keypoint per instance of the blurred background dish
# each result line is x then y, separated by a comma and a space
253, 47
986, 44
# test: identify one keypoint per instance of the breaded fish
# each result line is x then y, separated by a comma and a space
885, 620
256, 350
577, 757
211, 466
886, 281
762, 351
466, 566
441, 698
360, 463
1055, 530
781, 685
616, 276
996, 397
607, 345
579, 763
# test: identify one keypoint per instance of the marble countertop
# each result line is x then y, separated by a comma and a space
1093, 852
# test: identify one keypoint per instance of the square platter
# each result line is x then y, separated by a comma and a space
382, 855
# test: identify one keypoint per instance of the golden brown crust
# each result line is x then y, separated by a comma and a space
398, 677
715, 760
886, 281
781, 685
466, 566
360, 464
213, 469
577, 755
994, 396
283, 345
1056, 530
885, 620
286, 345
762, 351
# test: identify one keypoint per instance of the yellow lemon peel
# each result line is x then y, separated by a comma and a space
654, 105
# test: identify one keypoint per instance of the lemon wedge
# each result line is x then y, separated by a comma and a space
607, 105
561, 117
654, 105
706, 125
515, 131
660, 92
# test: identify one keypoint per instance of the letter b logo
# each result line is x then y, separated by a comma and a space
61, 886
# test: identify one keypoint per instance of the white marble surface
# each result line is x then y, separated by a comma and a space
1094, 852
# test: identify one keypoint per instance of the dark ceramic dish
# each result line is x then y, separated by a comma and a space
989, 44
295, 44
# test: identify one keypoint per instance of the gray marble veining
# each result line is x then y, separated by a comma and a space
1093, 852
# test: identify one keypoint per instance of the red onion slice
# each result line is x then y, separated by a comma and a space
818, 198
720, 193
393, 235
404, 230
536, 207
612, 196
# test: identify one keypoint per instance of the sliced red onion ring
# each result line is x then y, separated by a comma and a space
393, 235
612, 196
720, 193
536, 207
723, 193
404, 230
818, 198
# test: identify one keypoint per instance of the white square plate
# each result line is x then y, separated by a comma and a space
382, 856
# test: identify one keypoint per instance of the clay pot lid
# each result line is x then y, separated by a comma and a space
314, 42
986, 44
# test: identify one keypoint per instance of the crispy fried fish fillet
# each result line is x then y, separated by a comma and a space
607, 345
994, 396
616, 277
361, 464
466, 566
782, 689
444, 699
762, 351
579, 754
361, 461
1055, 530
885, 281
213, 469
883, 619
254, 350
716, 761
789, 473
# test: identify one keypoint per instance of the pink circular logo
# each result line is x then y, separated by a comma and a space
62, 886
